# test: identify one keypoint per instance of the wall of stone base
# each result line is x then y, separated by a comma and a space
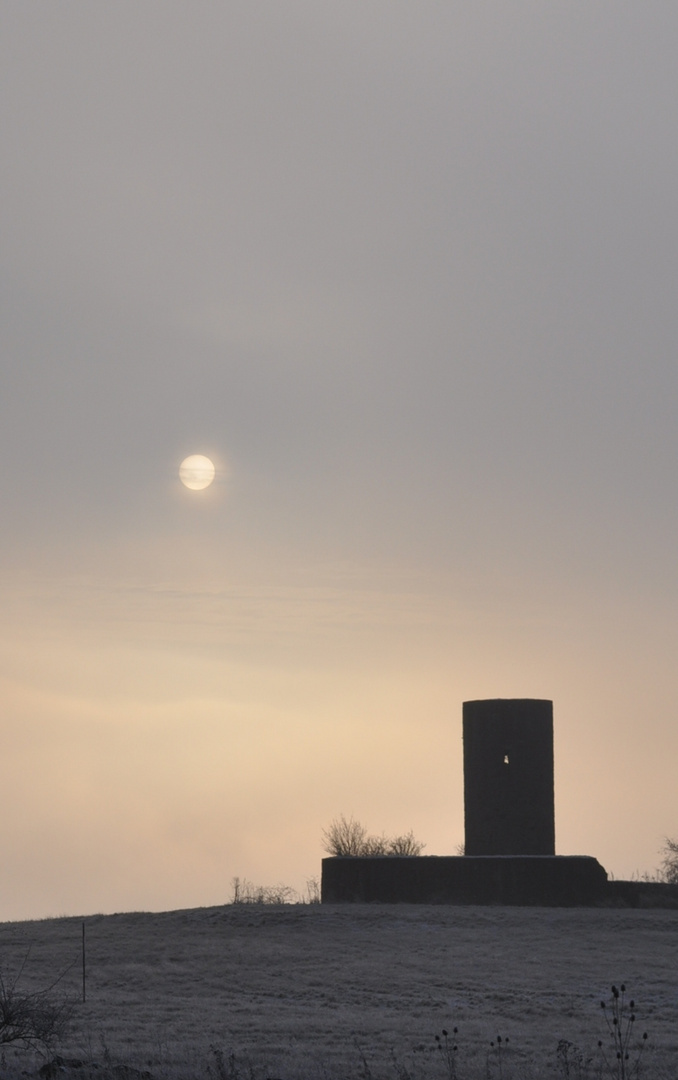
549, 880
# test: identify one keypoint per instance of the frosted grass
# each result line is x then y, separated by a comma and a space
340, 991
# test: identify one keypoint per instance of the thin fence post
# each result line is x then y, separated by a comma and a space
83, 961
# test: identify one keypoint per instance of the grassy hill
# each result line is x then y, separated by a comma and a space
314, 991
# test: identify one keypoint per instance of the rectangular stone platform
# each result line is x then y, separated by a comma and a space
549, 880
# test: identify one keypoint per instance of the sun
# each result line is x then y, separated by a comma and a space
197, 472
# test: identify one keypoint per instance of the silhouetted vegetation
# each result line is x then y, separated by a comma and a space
622, 1058
245, 892
349, 837
669, 867
32, 1020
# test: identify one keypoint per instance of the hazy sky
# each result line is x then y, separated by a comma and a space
408, 273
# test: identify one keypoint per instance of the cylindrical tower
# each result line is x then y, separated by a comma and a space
508, 777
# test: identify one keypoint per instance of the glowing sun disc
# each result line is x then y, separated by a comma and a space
197, 472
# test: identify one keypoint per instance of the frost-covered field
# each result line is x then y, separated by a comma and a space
340, 991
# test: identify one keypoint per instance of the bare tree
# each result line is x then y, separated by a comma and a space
669, 867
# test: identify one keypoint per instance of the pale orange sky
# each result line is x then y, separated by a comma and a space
407, 274
166, 737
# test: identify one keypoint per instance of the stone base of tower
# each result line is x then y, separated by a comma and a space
540, 880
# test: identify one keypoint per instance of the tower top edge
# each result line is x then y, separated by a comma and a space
516, 701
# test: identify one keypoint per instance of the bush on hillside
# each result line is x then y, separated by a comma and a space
348, 837
245, 892
669, 867
34, 1020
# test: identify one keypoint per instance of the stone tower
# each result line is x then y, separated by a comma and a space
508, 777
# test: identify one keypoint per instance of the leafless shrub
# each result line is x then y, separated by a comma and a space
349, 837
32, 1020
344, 837
645, 875
669, 866
376, 845
312, 893
405, 845
244, 892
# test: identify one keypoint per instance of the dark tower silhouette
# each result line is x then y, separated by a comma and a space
508, 777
